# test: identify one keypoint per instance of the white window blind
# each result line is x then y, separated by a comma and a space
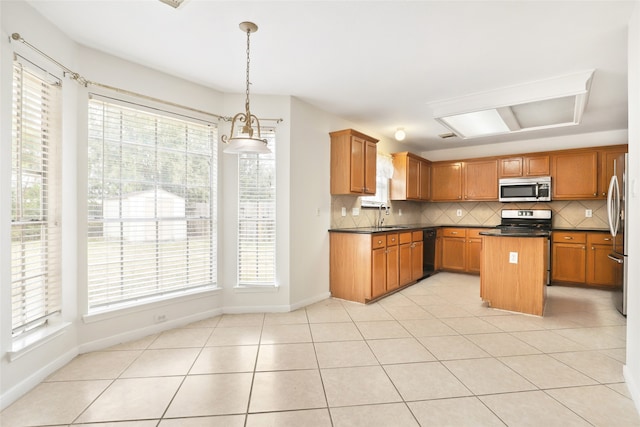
257, 216
151, 204
35, 198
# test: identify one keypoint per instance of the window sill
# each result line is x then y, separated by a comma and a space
35, 339
119, 310
241, 289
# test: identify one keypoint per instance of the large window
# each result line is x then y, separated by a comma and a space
35, 198
257, 216
151, 204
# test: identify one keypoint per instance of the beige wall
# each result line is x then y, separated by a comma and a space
566, 214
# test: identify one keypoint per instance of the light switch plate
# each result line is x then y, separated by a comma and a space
344, 211
355, 211
459, 212
513, 257
588, 213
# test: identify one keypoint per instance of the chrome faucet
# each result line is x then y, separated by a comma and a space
380, 217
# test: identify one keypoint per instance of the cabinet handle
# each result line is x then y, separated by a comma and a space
607, 239
379, 242
592, 248
454, 232
584, 247
595, 194
459, 197
568, 238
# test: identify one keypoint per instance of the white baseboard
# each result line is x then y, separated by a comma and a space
136, 334
17, 391
634, 388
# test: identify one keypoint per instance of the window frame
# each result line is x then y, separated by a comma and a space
36, 138
187, 215
265, 274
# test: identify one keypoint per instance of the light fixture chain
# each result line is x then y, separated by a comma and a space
246, 102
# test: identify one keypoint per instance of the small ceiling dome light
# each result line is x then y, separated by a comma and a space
400, 134
243, 141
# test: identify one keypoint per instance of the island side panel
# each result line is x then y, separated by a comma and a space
350, 266
517, 287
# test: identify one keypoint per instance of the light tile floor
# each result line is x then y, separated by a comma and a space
431, 355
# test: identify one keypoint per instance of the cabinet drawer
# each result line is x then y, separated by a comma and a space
568, 237
453, 232
600, 239
392, 239
474, 233
405, 237
416, 236
378, 241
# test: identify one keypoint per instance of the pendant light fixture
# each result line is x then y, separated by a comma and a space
241, 140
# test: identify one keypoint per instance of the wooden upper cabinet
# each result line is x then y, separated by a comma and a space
411, 177
446, 181
611, 163
481, 180
523, 166
574, 175
353, 162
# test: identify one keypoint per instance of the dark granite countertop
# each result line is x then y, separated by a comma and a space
508, 233
491, 230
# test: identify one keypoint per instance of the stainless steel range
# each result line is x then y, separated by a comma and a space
528, 222
525, 221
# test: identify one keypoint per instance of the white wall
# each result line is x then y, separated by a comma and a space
632, 368
18, 376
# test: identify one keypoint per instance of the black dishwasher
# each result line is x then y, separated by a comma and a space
429, 251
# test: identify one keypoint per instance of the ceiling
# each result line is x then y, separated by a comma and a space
377, 63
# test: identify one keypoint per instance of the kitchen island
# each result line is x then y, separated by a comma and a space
513, 273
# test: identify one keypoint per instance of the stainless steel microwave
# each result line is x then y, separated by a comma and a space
525, 189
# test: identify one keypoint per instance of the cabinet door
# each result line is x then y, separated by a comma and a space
453, 253
405, 263
611, 163
575, 175
536, 165
416, 260
473, 254
413, 178
378, 272
601, 270
358, 147
425, 180
446, 181
370, 154
511, 167
392, 268
568, 262
481, 180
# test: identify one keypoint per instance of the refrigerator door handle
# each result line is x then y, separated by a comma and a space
613, 205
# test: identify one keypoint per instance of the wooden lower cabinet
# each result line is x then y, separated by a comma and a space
582, 258
602, 271
460, 249
365, 266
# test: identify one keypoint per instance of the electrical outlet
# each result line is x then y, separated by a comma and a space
588, 213
459, 212
159, 318
355, 211
513, 257
344, 211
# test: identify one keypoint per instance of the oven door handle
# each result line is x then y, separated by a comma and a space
616, 258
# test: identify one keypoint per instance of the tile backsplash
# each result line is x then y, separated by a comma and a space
566, 214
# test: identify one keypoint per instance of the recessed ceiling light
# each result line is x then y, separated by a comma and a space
542, 104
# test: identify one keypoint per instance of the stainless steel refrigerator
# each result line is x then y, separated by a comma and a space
616, 197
